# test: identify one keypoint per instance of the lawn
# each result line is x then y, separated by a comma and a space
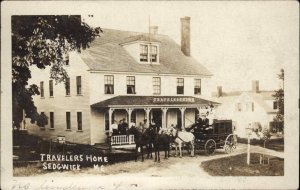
237, 166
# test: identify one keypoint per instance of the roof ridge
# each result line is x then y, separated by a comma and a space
139, 33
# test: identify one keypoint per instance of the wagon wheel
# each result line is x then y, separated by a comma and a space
210, 146
230, 143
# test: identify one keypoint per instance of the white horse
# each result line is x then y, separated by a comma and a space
182, 137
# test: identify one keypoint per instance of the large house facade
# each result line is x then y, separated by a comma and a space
253, 109
130, 75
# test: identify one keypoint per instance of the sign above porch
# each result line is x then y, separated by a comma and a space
133, 101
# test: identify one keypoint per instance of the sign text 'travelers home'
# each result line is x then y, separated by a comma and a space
173, 99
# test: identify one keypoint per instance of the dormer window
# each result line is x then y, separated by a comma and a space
148, 53
143, 53
143, 49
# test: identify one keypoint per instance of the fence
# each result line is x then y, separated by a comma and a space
122, 139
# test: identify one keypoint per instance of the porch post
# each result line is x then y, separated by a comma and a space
182, 118
129, 111
147, 110
199, 110
164, 117
110, 112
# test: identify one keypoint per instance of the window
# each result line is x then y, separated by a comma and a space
248, 104
79, 121
67, 85
42, 89
239, 107
153, 50
180, 86
51, 88
130, 80
197, 88
68, 120
109, 84
252, 106
275, 105
156, 85
143, 53
67, 61
78, 84
51, 120
43, 120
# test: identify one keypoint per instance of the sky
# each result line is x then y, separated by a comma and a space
237, 41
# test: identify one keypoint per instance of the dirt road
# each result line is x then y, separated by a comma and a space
174, 166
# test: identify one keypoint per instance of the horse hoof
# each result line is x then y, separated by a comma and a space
180, 156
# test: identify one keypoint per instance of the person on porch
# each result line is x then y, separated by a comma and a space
131, 124
114, 127
123, 127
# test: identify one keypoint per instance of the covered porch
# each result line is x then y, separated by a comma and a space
180, 111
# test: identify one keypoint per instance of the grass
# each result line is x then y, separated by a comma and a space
29, 170
237, 166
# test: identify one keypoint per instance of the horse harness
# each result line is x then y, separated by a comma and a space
176, 136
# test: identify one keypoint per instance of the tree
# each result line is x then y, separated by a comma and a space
43, 41
279, 97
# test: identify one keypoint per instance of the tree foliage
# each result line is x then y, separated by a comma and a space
43, 41
279, 97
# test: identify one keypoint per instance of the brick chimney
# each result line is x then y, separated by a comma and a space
153, 30
255, 86
185, 35
219, 91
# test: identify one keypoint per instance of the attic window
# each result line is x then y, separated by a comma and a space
143, 53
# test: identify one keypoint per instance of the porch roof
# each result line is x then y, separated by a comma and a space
136, 101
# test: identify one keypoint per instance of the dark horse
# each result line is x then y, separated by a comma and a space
159, 141
141, 140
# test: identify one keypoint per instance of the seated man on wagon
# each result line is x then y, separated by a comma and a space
201, 125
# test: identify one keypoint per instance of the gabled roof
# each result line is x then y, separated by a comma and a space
138, 38
106, 54
153, 100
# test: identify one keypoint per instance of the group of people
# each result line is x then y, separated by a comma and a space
121, 128
202, 124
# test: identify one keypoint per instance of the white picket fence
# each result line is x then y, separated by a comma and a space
122, 139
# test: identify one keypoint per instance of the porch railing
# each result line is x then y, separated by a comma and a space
122, 139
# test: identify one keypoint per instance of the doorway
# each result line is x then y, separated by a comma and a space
156, 116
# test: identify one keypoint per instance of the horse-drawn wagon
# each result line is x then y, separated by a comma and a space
217, 136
